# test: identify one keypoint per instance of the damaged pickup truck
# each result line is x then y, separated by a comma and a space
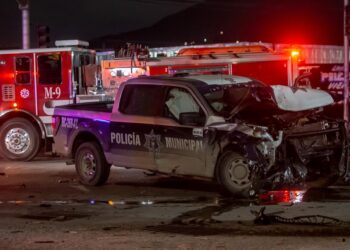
235, 130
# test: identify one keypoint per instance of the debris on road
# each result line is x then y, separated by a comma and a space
267, 219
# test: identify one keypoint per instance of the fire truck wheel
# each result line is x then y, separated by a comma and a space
234, 174
19, 140
91, 165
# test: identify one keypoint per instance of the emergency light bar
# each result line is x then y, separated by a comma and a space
223, 50
70, 43
213, 69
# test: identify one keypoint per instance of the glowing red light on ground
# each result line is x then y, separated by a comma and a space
281, 196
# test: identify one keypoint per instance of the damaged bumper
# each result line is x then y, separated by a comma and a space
303, 153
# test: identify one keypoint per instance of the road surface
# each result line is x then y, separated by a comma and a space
43, 206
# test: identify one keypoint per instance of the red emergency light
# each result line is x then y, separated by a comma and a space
295, 53
7, 75
281, 196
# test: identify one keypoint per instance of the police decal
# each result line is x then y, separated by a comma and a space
131, 139
69, 122
153, 142
197, 132
183, 144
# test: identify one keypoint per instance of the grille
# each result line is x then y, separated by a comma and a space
8, 92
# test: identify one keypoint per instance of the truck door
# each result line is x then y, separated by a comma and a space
25, 93
133, 126
182, 149
17, 82
53, 80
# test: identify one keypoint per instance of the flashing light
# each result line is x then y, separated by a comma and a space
7, 75
101, 120
15, 105
148, 202
295, 53
282, 196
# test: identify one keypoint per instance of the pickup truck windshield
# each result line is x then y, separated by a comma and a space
225, 98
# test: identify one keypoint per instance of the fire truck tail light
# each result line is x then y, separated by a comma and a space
56, 120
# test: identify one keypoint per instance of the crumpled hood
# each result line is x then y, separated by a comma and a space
300, 99
265, 104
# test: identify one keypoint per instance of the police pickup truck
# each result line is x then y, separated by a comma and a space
246, 135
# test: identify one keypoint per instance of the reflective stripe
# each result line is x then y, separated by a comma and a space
35, 75
46, 119
53, 103
48, 128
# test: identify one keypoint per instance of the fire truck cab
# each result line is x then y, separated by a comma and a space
32, 83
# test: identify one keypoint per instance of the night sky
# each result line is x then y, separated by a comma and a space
272, 21
84, 19
173, 22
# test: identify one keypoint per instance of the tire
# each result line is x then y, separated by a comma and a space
91, 165
19, 140
234, 174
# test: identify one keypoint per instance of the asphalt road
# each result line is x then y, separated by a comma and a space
43, 206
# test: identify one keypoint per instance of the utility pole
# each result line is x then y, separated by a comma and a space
23, 5
346, 63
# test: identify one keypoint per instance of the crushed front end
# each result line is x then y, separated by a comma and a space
283, 133
312, 152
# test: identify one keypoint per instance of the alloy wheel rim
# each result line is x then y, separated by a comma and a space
88, 166
239, 172
17, 141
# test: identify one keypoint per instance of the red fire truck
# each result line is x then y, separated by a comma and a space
32, 83
316, 66
256, 61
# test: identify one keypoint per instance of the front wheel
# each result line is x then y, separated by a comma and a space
234, 174
19, 140
91, 165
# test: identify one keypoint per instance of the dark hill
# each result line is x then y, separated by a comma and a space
275, 21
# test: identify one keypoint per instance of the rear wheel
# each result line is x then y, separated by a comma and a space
234, 174
19, 140
91, 165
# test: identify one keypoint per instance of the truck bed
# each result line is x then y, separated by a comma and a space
94, 110
91, 106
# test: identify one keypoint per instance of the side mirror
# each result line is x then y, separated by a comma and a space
191, 119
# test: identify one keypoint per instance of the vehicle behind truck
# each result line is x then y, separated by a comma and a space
237, 131
32, 83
